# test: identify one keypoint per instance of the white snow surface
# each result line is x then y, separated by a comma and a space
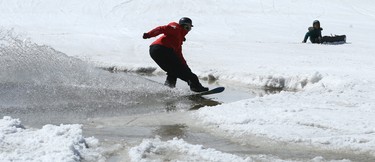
329, 102
50, 143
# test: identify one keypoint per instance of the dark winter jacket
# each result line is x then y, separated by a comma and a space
314, 34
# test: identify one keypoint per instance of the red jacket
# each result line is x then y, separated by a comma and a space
173, 37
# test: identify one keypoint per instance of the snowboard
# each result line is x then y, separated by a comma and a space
211, 91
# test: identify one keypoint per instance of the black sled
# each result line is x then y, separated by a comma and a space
336, 39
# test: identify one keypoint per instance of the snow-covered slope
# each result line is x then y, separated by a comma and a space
249, 40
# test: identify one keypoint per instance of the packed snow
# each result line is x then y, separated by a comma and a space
50, 143
328, 99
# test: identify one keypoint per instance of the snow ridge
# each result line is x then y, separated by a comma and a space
178, 150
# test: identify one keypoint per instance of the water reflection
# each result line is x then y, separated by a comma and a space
171, 131
200, 102
190, 102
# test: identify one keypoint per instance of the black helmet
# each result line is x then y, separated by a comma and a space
316, 22
185, 20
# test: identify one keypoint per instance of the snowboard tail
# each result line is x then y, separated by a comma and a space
211, 91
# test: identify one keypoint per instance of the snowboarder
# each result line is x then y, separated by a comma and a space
167, 53
315, 33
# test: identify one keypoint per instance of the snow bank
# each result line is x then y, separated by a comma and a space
328, 114
50, 143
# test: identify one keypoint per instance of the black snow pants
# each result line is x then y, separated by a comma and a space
168, 60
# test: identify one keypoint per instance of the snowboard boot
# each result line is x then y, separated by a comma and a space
197, 87
170, 82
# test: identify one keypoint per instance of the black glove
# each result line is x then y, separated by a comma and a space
146, 36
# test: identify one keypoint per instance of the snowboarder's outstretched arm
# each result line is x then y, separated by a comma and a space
154, 32
157, 31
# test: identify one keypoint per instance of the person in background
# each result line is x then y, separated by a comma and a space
315, 33
166, 51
